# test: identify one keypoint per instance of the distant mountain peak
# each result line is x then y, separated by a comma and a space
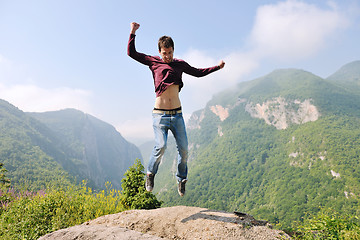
348, 73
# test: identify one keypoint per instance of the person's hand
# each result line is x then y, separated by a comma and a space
134, 26
221, 64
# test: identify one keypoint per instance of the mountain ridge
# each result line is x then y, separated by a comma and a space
104, 153
242, 160
348, 73
60, 147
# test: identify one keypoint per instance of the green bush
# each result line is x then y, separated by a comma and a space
329, 224
4, 181
134, 193
28, 215
4, 185
33, 215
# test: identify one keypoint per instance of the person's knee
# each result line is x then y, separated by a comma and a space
159, 150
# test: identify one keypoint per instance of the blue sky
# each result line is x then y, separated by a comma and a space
72, 54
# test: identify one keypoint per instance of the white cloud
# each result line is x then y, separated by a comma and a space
237, 65
31, 98
200, 90
21, 91
286, 31
137, 129
3, 60
293, 30
199, 59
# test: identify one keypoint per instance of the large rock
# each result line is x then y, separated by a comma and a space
178, 222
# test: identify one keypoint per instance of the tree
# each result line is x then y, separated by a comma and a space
134, 193
4, 185
4, 181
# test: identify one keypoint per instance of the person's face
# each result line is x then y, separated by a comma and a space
167, 54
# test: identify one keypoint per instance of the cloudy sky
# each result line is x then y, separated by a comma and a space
72, 54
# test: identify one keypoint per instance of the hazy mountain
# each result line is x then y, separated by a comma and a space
23, 146
101, 153
47, 148
349, 73
278, 147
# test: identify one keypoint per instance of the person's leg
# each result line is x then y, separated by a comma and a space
161, 126
179, 132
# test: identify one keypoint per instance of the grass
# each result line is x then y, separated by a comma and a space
30, 215
27, 215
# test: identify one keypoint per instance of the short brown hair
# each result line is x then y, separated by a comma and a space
166, 42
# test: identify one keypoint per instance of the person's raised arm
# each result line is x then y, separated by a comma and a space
133, 27
201, 72
131, 50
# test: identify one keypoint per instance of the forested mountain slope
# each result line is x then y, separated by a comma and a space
101, 153
40, 149
24, 147
276, 147
349, 73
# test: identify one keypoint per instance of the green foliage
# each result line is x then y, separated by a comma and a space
4, 181
134, 193
29, 215
24, 148
39, 149
328, 224
250, 169
32, 215
90, 146
4, 185
275, 175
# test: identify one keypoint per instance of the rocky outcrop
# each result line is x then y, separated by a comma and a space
178, 222
195, 119
280, 112
220, 111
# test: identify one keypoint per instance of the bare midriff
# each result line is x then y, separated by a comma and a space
169, 99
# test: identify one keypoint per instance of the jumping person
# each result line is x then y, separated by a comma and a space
167, 73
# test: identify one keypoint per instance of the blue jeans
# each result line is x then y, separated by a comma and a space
162, 123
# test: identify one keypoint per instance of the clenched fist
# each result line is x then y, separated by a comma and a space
134, 26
